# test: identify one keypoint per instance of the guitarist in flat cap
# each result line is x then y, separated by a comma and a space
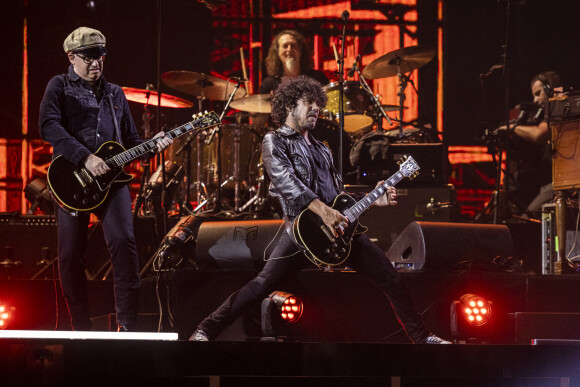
80, 113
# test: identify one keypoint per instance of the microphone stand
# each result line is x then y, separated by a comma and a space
215, 131
345, 16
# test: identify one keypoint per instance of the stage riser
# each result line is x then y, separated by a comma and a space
347, 307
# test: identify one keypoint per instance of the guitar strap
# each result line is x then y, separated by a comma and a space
117, 131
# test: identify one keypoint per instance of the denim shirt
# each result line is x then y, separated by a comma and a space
76, 124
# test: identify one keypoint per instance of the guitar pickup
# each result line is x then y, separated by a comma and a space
327, 232
83, 177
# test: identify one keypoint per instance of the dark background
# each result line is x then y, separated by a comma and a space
543, 36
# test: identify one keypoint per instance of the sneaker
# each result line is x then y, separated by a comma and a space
432, 339
199, 335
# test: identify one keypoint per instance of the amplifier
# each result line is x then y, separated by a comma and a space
25, 244
431, 158
565, 106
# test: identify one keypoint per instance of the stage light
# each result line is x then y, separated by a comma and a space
468, 315
6, 315
37, 193
280, 308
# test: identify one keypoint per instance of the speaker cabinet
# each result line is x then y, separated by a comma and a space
25, 245
236, 244
423, 245
434, 204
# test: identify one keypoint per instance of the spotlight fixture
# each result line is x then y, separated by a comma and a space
280, 308
468, 315
6, 314
37, 193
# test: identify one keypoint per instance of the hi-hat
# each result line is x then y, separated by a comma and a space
405, 59
200, 84
257, 103
150, 97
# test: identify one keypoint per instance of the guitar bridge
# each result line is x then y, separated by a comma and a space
83, 177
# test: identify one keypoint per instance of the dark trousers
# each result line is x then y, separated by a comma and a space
366, 258
116, 217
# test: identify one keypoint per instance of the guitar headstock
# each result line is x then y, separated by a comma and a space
205, 120
409, 167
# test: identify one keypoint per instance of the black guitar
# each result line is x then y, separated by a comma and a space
76, 189
317, 240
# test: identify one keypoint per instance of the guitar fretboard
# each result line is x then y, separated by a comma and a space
362, 205
206, 121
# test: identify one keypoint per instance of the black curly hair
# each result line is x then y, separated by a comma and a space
290, 91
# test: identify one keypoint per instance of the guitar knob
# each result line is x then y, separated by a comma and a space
76, 197
342, 250
96, 196
335, 256
85, 201
86, 191
334, 245
327, 251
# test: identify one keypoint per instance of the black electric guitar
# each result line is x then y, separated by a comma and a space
76, 189
317, 240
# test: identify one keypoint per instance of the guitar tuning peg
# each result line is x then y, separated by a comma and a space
205, 112
398, 162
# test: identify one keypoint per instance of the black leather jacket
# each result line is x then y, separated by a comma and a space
289, 164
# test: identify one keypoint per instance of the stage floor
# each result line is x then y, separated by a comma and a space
131, 362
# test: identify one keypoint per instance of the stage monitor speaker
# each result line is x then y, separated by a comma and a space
242, 245
426, 245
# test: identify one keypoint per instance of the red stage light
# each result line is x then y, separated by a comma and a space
291, 308
477, 310
280, 309
6, 313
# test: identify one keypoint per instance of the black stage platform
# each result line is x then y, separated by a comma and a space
114, 362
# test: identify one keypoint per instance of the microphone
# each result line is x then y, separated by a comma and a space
353, 68
345, 15
539, 115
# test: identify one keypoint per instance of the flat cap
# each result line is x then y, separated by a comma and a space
85, 39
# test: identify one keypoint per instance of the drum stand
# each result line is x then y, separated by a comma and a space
376, 102
216, 131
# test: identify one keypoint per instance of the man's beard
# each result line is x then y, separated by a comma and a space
291, 64
303, 124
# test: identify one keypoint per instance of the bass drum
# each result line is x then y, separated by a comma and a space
328, 132
358, 107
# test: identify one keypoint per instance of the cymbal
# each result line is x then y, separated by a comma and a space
408, 59
150, 97
392, 108
199, 84
257, 103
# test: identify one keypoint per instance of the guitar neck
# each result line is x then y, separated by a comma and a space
138, 151
362, 205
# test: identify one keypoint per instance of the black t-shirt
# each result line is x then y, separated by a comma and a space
321, 172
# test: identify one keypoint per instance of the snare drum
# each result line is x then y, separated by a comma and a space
358, 107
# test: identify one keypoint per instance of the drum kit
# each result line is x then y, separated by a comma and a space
231, 176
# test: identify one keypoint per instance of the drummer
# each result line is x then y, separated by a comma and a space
289, 56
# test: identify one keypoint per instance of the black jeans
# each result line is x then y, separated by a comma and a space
366, 258
117, 221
